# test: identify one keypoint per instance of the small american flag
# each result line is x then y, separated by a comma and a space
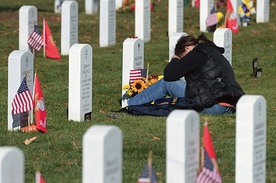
23, 100
212, 18
145, 177
210, 171
35, 40
137, 74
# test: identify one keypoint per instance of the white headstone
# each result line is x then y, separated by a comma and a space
107, 23
143, 20
80, 83
20, 64
91, 6
251, 139
175, 20
27, 21
236, 4
69, 26
204, 11
119, 4
223, 38
182, 149
102, 155
173, 40
133, 58
262, 13
11, 165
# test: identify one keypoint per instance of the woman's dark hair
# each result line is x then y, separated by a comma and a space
190, 41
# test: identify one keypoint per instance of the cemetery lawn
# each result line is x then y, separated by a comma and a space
58, 153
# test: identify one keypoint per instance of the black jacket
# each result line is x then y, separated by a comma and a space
212, 80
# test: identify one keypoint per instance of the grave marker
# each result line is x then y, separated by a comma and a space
182, 149
262, 13
12, 167
143, 20
27, 20
133, 58
173, 40
223, 38
91, 7
107, 23
204, 11
69, 26
251, 139
80, 83
20, 64
102, 155
176, 11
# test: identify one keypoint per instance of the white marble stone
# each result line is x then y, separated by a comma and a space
12, 169
107, 23
262, 12
102, 155
80, 83
182, 146
204, 11
69, 26
91, 7
251, 139
176, 16
27, 21
223, 38
133, 58
143, 20
20, 64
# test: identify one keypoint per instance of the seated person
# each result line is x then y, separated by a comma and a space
209, 78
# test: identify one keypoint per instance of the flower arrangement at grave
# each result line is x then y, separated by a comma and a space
129, 5
140, 84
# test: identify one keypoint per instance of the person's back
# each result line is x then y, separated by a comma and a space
213, 82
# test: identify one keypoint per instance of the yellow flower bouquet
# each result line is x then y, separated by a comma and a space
140, 84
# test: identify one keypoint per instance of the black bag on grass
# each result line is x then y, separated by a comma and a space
161, 107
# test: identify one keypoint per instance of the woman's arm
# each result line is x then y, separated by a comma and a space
178, 68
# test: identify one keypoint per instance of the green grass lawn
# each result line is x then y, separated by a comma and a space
58, 153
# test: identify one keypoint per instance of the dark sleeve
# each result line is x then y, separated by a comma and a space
179, 68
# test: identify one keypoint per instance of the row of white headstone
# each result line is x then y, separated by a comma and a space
20, 64
102, 148
69, 21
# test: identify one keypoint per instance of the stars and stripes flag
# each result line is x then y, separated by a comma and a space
209, 172
35, 40
148, 175
212, 18
23, 100
137, 74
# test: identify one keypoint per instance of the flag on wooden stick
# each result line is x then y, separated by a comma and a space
35, 40
40, 109
148, 174
23, 100
137, 74
231, 19
212, 18
50, 47
209, 172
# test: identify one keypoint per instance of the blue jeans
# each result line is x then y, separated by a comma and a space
162, 88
